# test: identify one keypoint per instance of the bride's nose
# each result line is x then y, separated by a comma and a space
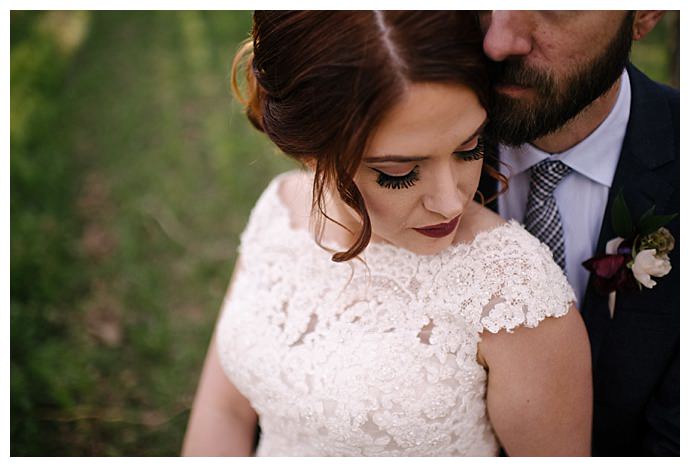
444, 197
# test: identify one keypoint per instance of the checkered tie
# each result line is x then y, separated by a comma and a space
542, 218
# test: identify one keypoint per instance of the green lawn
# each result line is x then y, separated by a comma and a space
132, 175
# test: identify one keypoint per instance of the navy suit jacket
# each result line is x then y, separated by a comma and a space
635, 355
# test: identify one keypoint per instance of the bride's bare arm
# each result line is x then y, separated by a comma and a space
222, 422
539, 394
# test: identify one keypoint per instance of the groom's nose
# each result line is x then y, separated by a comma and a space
507, 34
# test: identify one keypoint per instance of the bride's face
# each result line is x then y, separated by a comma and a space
421, 168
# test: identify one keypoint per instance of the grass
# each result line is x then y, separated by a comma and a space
132, 175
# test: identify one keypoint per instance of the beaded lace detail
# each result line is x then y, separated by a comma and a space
339, 359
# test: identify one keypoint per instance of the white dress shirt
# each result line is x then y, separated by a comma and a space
581, 196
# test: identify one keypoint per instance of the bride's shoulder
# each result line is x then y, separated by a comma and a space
277, 202
294, 190
517, 271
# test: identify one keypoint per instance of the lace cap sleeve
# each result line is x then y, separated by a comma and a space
267, 220
528, 286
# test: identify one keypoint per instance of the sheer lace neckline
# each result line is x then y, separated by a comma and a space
374, 248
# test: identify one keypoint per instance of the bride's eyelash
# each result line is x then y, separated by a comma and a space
409, 179
396, 183
473, 154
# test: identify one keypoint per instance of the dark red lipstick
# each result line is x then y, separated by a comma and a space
439, 230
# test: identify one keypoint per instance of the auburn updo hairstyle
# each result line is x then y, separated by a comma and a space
319, 82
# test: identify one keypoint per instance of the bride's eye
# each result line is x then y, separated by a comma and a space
397, 182
473, 154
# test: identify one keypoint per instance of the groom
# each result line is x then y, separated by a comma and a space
579, 124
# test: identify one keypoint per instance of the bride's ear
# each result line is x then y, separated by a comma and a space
644, 22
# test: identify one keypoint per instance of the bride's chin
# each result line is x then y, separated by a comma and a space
415, 242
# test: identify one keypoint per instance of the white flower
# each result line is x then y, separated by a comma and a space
647, 264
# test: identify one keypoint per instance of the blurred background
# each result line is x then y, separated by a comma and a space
133, 172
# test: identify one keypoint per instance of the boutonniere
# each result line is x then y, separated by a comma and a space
638, 253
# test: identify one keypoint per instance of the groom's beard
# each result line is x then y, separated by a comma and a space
558, 99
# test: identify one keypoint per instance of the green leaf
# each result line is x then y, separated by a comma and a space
620, 217
649, 212
652, 223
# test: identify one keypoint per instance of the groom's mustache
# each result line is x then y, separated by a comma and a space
515, 72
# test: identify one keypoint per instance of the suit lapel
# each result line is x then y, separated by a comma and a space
642, 174
648, 145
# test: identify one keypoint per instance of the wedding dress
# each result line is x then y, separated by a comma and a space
376, 357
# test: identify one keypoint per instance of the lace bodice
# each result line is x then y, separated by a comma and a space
376, 359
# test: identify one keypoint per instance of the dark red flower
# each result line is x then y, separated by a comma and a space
610, 272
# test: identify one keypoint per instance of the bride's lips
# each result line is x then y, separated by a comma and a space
439, 230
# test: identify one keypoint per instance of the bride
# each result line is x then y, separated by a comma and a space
377, 308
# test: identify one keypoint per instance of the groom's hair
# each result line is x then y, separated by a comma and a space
319, 82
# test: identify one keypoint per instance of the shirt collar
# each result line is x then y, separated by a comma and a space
595, 157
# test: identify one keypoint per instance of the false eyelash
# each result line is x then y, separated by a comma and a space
473, 154
396, 183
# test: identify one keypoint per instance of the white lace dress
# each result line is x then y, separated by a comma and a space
338, 359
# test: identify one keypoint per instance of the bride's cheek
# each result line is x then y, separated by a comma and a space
382, 211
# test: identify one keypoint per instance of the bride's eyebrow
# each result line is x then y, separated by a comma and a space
396, 158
